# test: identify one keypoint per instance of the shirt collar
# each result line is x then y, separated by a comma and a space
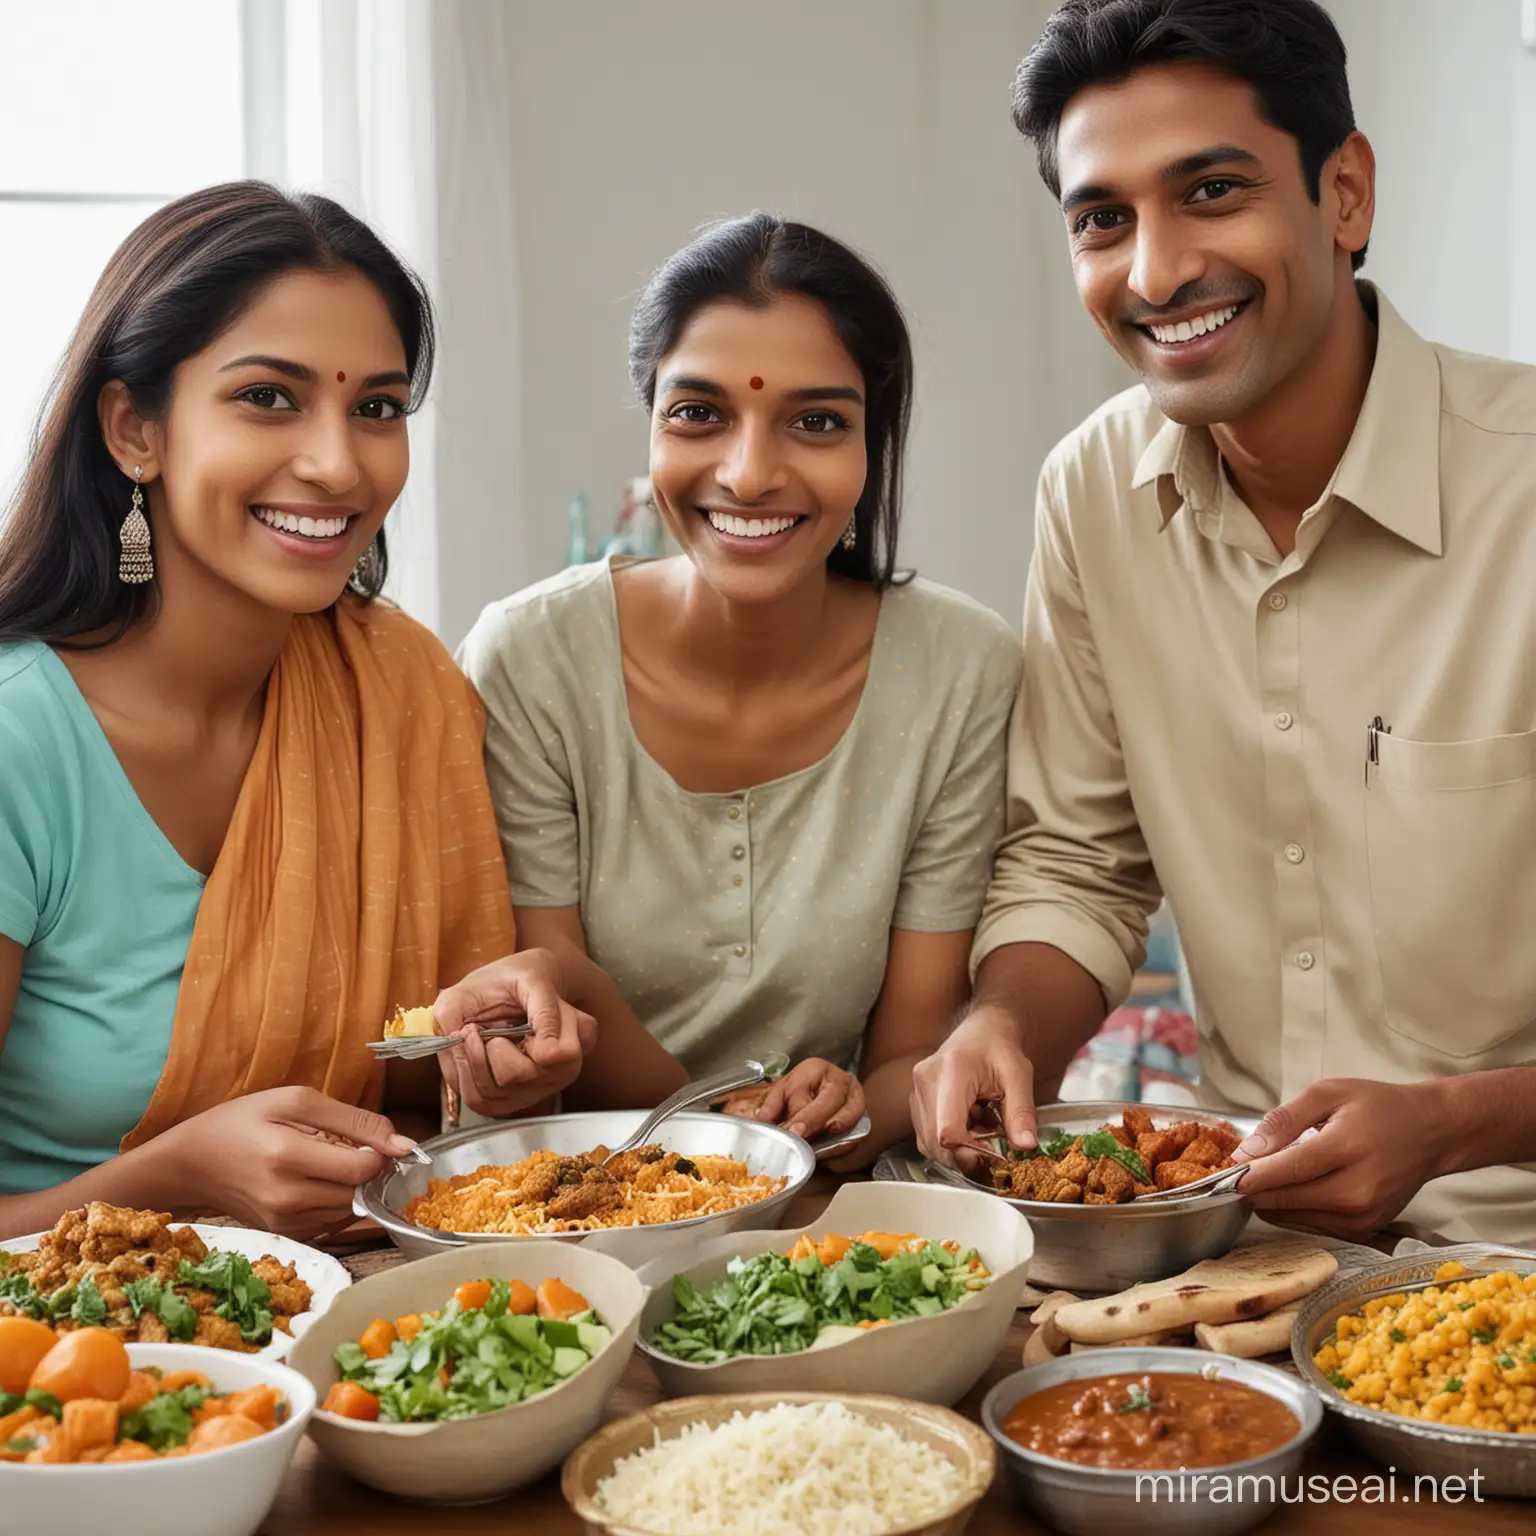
1391, 467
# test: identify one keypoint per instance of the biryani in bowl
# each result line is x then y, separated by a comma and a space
460, 1378
901, 1289
145, 1439
547, 1193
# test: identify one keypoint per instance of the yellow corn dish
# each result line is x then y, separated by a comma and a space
1459, 1352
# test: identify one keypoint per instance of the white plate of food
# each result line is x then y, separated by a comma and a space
115, 1267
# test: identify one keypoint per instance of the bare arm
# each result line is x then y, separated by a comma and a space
926, 980
626, 1068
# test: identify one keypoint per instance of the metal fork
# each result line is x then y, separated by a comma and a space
414, 1047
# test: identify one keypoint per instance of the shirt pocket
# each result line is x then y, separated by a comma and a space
1451, 843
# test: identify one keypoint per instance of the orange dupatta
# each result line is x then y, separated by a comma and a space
362, 869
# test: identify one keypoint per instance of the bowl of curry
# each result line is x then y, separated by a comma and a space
1191, 1443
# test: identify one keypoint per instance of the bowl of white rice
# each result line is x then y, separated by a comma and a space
782, 1464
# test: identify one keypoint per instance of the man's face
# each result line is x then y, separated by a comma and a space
1195, 245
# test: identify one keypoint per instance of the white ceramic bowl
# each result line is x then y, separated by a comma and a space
471, 1461
930, 1359
326, 1277
215, 1493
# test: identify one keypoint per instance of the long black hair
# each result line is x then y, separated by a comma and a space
751, 260
171, 288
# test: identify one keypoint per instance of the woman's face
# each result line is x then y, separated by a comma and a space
757, 444
285, 445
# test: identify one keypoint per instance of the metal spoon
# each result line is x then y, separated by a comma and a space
1218, 1183
727, 1081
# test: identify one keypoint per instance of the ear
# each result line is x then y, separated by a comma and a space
132, 441
1350, 173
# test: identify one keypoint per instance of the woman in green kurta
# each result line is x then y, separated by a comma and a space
761, 783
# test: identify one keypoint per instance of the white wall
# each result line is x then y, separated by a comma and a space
622, 127
1447, 95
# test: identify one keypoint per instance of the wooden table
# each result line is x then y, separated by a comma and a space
318, 1500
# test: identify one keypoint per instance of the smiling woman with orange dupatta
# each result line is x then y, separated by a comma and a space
243, 809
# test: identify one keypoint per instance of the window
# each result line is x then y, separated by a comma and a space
106, 112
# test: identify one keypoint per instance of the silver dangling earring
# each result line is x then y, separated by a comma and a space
135, 564
850, 534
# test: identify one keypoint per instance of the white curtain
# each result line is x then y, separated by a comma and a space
339, 100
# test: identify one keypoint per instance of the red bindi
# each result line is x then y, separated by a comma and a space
755, 382
341, 378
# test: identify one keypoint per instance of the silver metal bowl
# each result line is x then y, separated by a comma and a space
1102, 1248
1088, 1501
1492, 1463
763, 1148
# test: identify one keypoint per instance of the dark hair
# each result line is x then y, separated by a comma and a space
1289, 51
752, 259
175, 284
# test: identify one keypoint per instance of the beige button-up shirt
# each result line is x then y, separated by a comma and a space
1196, 716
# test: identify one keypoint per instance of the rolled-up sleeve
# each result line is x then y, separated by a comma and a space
1072, 870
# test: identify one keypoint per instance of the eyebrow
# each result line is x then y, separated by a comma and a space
1188, 165
695, 385
306, 375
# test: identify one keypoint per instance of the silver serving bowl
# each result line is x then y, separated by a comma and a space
763, 1148
1102, 1248
1088, 1501
1502, 1464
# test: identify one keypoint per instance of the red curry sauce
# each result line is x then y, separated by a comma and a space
1154, 1421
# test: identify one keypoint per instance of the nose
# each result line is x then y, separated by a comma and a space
327, 457
751, 466
1164, 260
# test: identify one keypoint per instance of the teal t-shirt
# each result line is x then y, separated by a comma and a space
104, 907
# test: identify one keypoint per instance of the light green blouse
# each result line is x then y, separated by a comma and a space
760, 920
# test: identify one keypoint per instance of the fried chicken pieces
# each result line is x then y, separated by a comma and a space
117, 1246
1174, 1156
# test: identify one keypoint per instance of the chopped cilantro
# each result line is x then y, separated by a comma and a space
1482, 1335
165, 1421
1340, 1380
1398, 1336
88, 1309
1453, 1384
1136, 1400
1506, 1362
149, 1295
244, 1294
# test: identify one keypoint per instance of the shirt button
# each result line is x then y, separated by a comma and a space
734, 813
738, 852
1294, 853
1277, 601
1305, 960
736, 880
739, 951
1284, 720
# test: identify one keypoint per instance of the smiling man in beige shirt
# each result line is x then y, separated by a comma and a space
1280, 644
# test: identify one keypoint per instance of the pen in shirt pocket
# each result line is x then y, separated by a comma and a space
1373, 733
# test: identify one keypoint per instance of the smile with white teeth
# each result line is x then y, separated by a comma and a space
305, 527
1187, 330
749, 528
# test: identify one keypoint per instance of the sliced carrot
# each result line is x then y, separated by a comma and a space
832, 1249
873, 1322
258, 1404
13, 1423
231, 1429
351, 1401
407, 1327
521, 1301
90, 1422
473, 1295
174, 1381
95, 1454
888, 1244
558, 1301
377, 1338
804, 1247
141, 1387
130, 1450
444, 1377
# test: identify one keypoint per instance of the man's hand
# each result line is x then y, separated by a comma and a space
982, 1063
1377, 1145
